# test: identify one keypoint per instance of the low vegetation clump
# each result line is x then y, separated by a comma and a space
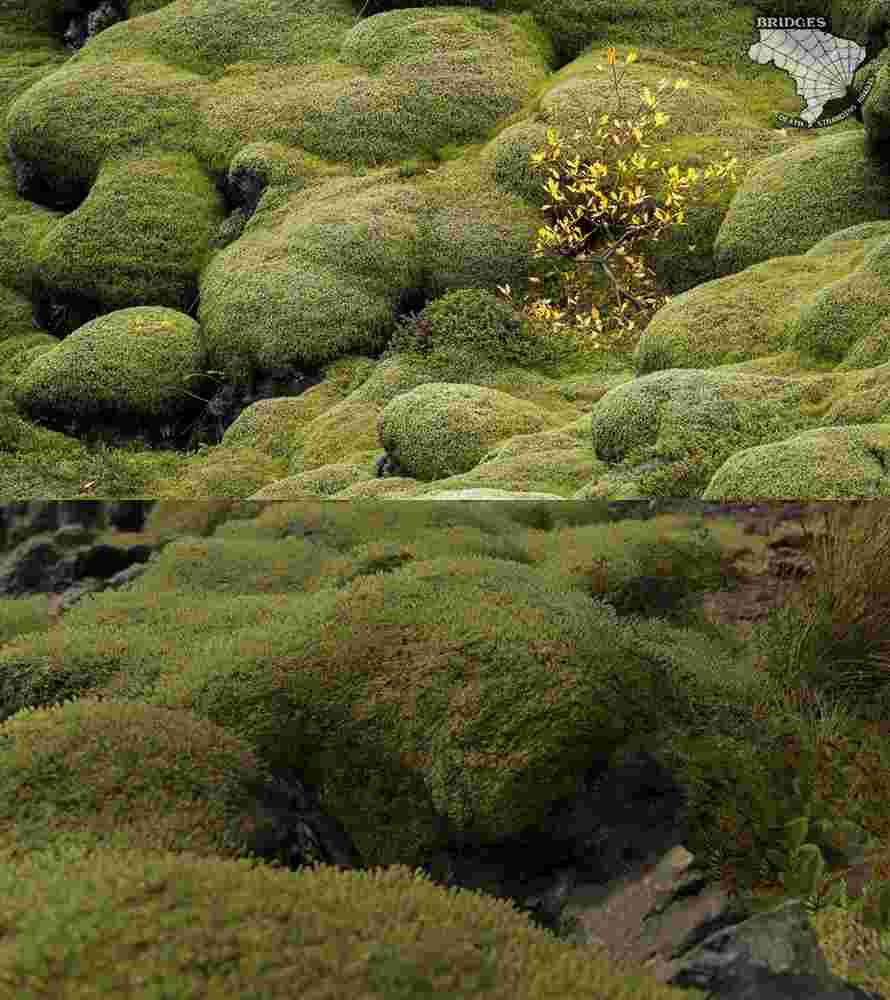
783, 765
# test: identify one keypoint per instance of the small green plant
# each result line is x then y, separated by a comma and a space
802, 871
875, 912
566, 239
598, 221
802, 867
409, 168
772, 806
639, 271
839, 610
474, 320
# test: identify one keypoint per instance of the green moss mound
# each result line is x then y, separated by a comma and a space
134, 826
475, 323
317, 555
676, 572
20, 615
338, 526
246, 571
126, 774
354, 686
175, 518
640, 570
125, 923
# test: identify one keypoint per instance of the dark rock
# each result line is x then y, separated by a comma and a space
58, 312
38, 566
231, 399
387, 465
289, 826
620, 815
89, 23
613, 849
75, 592
755, 982
69, 565
772, 956
244, 187
211, 409
23, 519
24, 173
128, 515
54, 192
650, 595
97, 561
274, 383
637, 510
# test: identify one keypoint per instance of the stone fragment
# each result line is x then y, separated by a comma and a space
87, 24
387, 465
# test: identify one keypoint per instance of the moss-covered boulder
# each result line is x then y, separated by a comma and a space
126, 774
108, 923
